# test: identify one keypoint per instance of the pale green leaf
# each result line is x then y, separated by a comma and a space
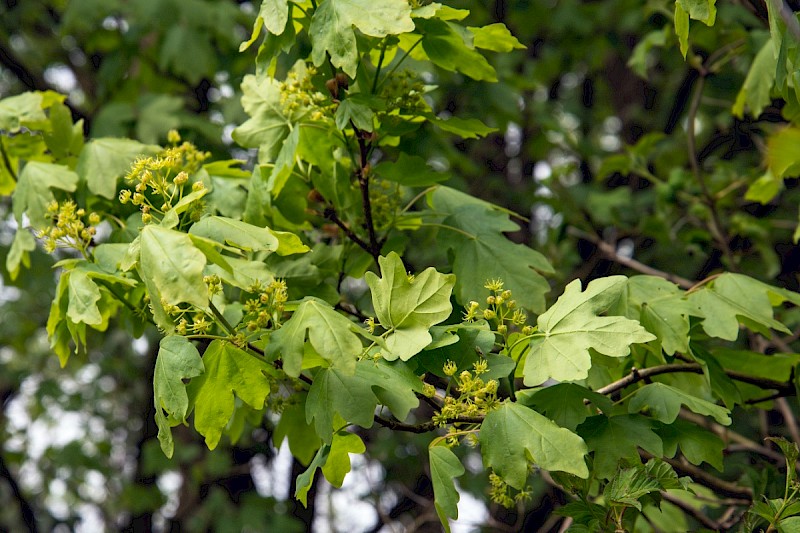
408, 306
174, 265
83, 297
755, 93
682, 28
495, 37
331, 334
703, 10
332, 25
783, 152
567, 331
25, 110
445, 46
445, 467
235, 233
664, 403
306, 479
467, 128
764, 189
275, 14
268, 126
103, 161
177, 360
19, 254
731, 296
338, 464
513, 436
228, 371
33, 190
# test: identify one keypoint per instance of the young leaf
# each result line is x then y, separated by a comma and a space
177, 360
104, 160
495, 37
445, 467
19, 254
83, 297
229, 371
513, 432
564, 403
697, 444
338, 464
571, 327
33, 190
235, 233
409, 170
408, 306
332, 25
664, 402
755, 93
174, 266
630, 484
331, 334
731, 296
445, 47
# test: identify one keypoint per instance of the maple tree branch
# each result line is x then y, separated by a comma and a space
330, 214
720, 486
692, 511
610, 252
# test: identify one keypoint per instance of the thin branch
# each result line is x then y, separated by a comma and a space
611, 253
691, 511
363, 183
720, 486
7, 162
330, 214
789, 418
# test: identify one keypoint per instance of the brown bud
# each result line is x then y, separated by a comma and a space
333, 88
342, 80
315, 196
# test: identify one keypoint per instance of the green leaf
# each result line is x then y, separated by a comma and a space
662, 310
482, 252
177, 360
617, 437
445, 467
275, 14
682, 28
513, 435
409, 170
445, 47
783, 156
467, 128
696, 443
338, 464
303, 440
331, 335
703, 10
664, 403
571, 327
103, 161
355, 396
332, 25
228, 371
284, 163
174, 265
355, 110
731, 296
764, 189
33, 190
408, 306
638, 61
235, 233
564, 403
306, 479
755, 92
83, 297
26, 110
268, 126
19, 254
628, 485
495, 37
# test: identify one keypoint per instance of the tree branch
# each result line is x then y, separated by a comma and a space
610, 252
25, 508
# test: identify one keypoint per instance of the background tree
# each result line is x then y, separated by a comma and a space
623, 157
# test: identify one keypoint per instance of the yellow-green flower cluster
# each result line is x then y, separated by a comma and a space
501, 310
300, 99
475, 397
72, 227
386, 199
160, 182
404, 95
266, 307
499, 492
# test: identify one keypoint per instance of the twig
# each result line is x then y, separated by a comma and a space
363, 183
330, 214
691, 511
611, 253
789, 418
720, 486
25, 508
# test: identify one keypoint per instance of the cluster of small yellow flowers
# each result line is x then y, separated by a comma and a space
214, 284
299, 98
385, 199
370, 323
403, 92
199, 325
266, 307
71, 228
501, 310
475, 398
499, 492
160, 182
